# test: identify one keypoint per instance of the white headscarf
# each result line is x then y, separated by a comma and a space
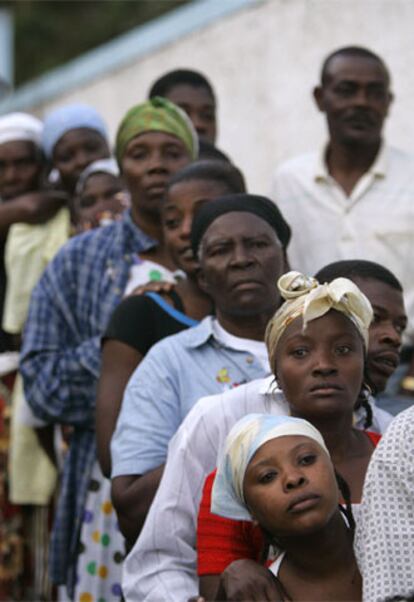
20, 126
109, 166
242, 442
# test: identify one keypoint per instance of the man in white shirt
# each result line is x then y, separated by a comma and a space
354, 198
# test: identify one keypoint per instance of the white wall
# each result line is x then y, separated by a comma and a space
263, 62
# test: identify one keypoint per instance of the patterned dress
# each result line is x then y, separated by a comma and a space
101, 548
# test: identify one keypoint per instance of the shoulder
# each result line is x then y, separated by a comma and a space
397, 445
297, 165
229, 406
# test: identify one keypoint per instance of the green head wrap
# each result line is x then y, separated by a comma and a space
156, 115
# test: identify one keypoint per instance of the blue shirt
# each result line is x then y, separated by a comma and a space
174, 374
60, 360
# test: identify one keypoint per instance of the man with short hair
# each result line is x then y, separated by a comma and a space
241, 241
191, 91
354, 199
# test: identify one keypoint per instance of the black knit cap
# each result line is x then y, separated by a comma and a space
246, 203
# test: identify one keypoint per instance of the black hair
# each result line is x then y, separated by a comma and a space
346, 494
352, 51
207, 150
358, 268
212, 170
166, 82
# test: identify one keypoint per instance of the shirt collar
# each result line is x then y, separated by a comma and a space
378, 168
140, 240
268, 386
199, 335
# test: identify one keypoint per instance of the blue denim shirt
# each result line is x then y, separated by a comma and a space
175, 373
60, 359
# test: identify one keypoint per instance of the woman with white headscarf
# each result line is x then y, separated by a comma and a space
277, 470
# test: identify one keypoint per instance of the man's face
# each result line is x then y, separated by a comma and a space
20, 168
386, 330
241, 261
199, 105
355, 98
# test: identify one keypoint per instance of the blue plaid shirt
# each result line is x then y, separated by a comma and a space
60, 360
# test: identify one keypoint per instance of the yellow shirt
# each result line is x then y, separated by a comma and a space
28, 251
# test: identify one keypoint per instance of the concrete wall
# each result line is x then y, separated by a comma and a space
264, 60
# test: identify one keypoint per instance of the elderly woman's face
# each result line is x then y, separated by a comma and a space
320, 370
147, 164
290, 486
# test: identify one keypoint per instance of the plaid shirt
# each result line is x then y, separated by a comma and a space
60, 360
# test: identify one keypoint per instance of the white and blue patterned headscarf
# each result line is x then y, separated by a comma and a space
242, 442
70, 117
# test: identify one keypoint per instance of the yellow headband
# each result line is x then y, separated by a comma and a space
306, 298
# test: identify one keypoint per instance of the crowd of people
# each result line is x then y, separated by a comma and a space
206, 394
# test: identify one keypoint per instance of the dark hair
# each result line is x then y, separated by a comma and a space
409, 597
207, 150
346, 494
358, 268
213, 171
166, 82
352, 51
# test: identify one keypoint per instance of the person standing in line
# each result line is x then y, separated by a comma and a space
354, 198
191, 91
71, 306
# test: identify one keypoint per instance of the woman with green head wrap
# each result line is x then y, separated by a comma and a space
155, 139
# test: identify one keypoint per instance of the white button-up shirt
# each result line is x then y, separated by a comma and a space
161, 567
376, 222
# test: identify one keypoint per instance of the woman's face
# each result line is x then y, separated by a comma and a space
148, 162
320, 370
290, 486
182, 202
75, 150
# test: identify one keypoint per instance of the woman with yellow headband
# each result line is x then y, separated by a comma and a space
317, 344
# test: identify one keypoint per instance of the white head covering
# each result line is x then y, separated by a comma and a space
305, 297
20, 126
109, 166
70, 117
244, 439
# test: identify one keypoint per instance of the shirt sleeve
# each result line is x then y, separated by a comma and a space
220, 540
132, 323
58, 365
161, 567
149, 417
384, 542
